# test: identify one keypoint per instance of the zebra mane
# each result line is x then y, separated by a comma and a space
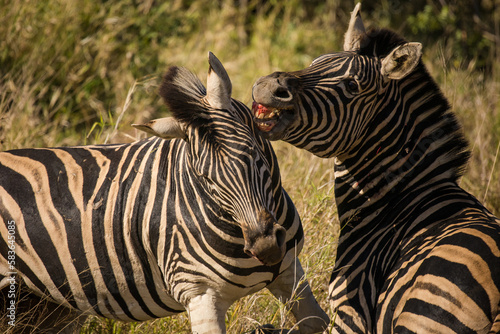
380, 43
182, 92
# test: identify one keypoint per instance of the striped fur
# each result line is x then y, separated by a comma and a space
417, 253
152, 228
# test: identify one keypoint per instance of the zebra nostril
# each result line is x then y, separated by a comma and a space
269, 248
248, 252
280, 235
282, 93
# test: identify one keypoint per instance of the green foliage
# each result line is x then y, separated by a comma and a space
467, 40
469, 28
426, 22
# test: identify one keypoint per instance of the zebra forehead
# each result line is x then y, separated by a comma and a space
336, 65
333, 56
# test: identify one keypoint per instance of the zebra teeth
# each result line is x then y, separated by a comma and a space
265, 117
265, 113
274, 113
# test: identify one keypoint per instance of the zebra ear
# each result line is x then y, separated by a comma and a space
166, 128
401, 61
218, 84
355, 36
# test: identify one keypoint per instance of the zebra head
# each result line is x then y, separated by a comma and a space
329, 107
223, 155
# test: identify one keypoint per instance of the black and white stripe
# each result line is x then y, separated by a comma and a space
152, 228
417, 253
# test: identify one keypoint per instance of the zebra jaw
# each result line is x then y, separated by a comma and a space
266, 118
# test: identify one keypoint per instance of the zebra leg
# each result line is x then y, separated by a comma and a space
207, 313
291, 287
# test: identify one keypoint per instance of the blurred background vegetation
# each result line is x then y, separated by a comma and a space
79, 72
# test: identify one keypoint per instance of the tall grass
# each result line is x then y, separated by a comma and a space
79, 72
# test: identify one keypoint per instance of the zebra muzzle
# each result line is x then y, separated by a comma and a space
266, 245
274, 107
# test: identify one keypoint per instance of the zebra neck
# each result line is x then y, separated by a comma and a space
427, 151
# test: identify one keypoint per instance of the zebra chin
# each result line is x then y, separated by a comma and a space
265, 242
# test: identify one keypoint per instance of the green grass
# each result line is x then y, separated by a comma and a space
81, 72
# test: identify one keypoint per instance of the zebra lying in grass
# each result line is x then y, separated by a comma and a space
417, 253
152, 228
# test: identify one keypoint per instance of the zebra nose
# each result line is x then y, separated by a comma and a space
274, 90
268, 246
282, 93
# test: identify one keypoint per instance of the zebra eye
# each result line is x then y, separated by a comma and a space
352, 86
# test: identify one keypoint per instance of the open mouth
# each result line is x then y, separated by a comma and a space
266, 118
